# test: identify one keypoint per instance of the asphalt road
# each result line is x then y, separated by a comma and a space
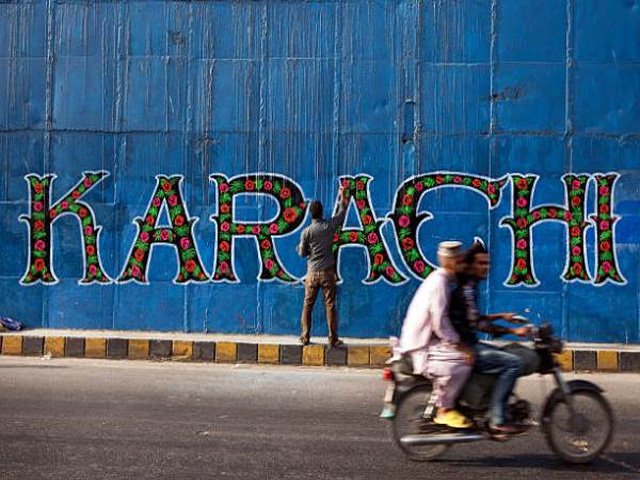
83, 419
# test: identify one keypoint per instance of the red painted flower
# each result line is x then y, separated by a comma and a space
179, 220
266, 244
606, 267
419, 186
604, 225
407, 243
166, 186
522, 184
605, 246
224, 208
185, 243
576, 250
536, 215
83, 212
39, 245
290, 214
273, 228
360, 204
522, 244
38, 188
491, 189
604, 208
367, 219
164, 235
224, 187
150, 220
249, 185
285, 193
173, 200
476, 182
240, 229
521, 264
577, 268
52, 213
224, 267
75, 194
268, 263
156, 201
190, 265
353, 236
138, 255
359, 185
575, 201
144, 236
390, 271
87, 182
457, 179
93, 270
38, 225
575, 231
64, 205
404, 221
522, 222
378, 258
91, 249
604, 190
372, 238
576, 184
553, 212
418, 266
135, 271
267, 185
521, 202
407, 200
225, 226
568, 216
38, 264
345, 183
38, 206
224, 246
439, 180
336, 238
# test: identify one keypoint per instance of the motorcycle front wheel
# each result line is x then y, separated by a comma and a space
409, 420
580, 433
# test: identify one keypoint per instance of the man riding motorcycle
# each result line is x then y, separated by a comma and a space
466, 319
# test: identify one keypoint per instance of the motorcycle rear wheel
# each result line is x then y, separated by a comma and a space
409, 421
582, 436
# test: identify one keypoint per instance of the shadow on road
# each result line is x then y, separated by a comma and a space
610, 463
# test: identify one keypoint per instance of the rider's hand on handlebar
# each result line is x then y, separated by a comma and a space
521, 331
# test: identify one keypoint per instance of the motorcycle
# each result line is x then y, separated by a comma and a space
576, 419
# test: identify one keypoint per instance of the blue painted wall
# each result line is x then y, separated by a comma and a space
314, 91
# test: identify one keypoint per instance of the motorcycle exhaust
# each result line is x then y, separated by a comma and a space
446, 438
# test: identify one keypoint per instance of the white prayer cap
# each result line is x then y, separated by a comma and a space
449, 249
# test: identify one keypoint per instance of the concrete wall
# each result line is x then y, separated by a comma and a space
158, 157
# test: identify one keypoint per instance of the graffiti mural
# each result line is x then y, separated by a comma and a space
406, 218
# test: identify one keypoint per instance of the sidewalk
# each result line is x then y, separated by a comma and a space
263, 349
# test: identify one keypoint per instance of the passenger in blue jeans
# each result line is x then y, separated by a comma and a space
467, 320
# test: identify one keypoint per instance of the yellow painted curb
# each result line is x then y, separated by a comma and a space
138, 349
95, 347
11, 345
607, 360
565, 360
313, 355
226, 352
358, 356
268, 353
182, 349
379, 355
54, 345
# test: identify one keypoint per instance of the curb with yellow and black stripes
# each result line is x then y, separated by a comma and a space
265, 353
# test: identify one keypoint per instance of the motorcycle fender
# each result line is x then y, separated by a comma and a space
574, 386
402, 390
